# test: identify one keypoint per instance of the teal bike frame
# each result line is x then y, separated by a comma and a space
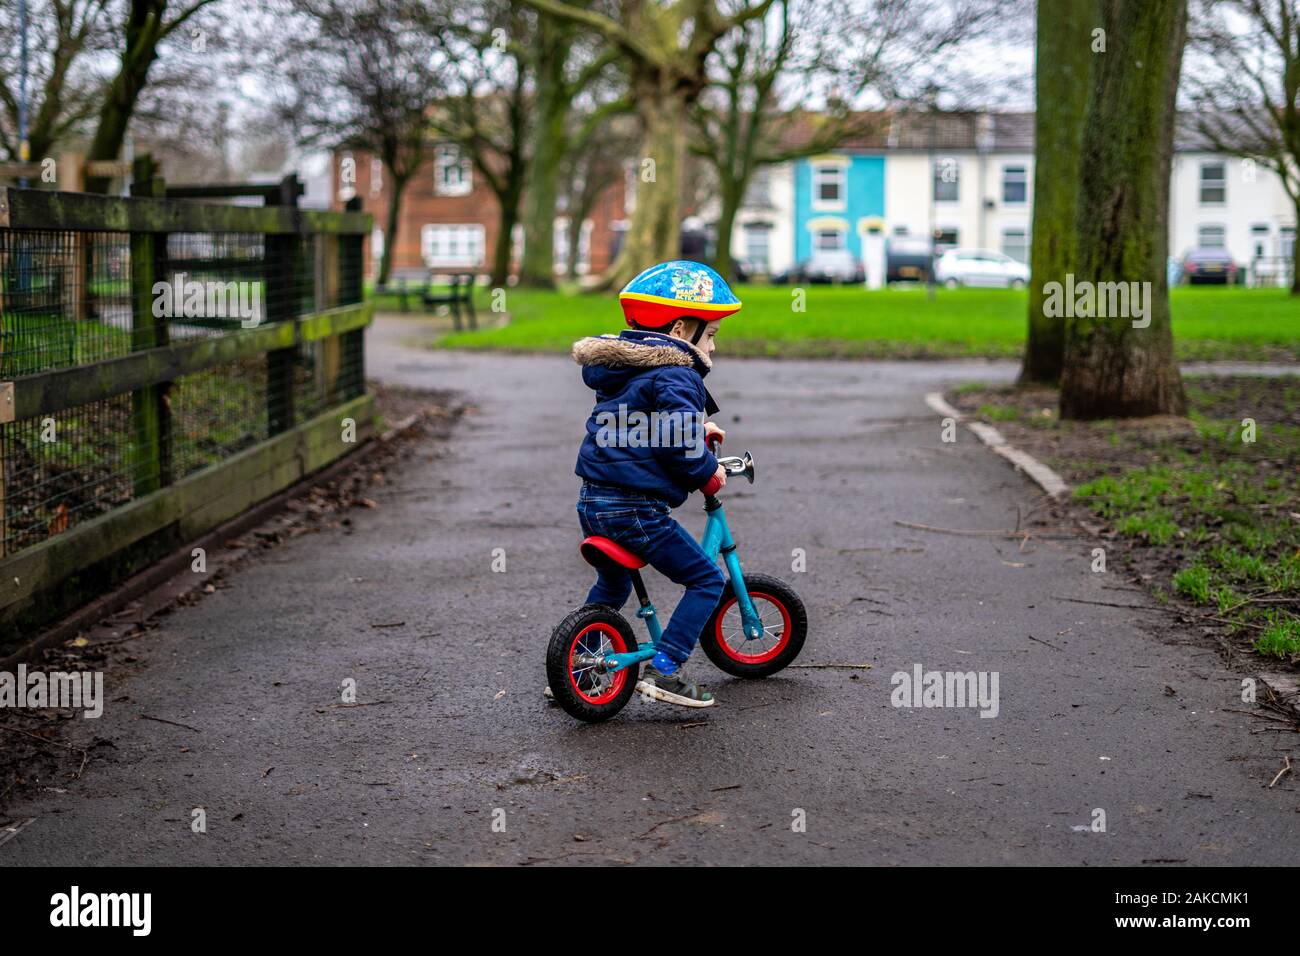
717, 540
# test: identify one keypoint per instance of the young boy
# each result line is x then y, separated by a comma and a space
635, 475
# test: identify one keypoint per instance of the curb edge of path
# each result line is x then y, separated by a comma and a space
1051, 483
1285, 688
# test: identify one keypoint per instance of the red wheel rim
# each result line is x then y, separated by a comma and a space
589, 646
776, 630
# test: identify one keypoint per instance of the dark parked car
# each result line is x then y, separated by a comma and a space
907, 259
1209, 265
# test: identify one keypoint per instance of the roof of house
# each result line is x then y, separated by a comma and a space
965, 130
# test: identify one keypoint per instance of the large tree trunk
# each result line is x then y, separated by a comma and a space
538, 266
731, 197
390, 227
505, 238
1113, 369
654, 232
1063, 73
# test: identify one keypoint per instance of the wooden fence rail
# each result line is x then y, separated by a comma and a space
127, 429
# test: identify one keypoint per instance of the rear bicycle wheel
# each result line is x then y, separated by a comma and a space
575, 666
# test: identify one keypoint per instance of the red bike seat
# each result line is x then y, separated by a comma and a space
598, 551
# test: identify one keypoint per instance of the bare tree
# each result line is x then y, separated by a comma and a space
838, 50
665, 46
145, 27
1247, 99
68, 43
488, 107
361, 74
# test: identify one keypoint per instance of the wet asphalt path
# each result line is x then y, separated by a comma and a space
457, 759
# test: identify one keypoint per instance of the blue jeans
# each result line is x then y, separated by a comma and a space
645, 526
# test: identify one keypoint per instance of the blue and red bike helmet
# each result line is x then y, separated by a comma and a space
676, 290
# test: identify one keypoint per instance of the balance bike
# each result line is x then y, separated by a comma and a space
758, 627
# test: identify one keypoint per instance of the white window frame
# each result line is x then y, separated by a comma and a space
376, 176
445, 158
1221, 183
758, 194
836, 172
1200, 234
446, 245
1023, 170
841, 240
936, 179
752, 229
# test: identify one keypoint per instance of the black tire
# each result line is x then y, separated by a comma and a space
773, 591
558, 675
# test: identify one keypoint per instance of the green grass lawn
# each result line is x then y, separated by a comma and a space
1209, 323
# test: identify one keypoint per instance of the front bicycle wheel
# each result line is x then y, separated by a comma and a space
785, 628
575, 667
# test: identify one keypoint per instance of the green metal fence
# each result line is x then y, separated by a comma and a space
164, 364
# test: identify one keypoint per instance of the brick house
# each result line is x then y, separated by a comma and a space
449, 217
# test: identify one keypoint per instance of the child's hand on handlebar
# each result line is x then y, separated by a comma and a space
715, 483
710, 430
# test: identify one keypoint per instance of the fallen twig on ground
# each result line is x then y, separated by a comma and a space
1286, 769
164, 720
850, 666
995, 533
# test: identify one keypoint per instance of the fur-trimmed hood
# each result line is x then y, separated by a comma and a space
639, 349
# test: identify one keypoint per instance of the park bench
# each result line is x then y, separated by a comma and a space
405, 283
460, 293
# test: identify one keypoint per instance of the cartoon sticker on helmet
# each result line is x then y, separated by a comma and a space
692, 285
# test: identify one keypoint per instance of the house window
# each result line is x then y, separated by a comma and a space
1015, 185
1286, 242
758, 195
945, 238
376, 177
448, 246
452, 175
1214, 184
828, 185
1015, 244
758, 246
947, 180
1211, 237
828, 240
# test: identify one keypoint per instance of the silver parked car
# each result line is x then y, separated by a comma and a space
979, 267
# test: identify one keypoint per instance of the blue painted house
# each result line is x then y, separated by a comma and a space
838, 197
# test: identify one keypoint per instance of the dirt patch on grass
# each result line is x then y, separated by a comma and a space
1205, 509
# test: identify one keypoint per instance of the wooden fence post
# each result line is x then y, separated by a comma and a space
150, 405
351, 267
280, 304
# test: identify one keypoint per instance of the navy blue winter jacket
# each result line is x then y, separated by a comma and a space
645, 372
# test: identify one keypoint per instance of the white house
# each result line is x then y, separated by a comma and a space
1226, 202
969, 176
763, 237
